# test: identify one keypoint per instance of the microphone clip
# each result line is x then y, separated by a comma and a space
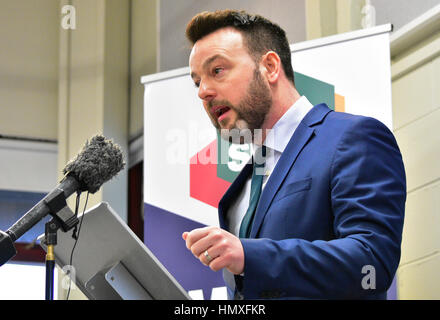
59, 210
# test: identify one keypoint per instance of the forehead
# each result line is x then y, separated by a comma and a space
226, 41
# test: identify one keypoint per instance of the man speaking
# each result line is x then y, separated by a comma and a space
322, 203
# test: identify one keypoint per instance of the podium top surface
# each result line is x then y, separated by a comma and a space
105, 240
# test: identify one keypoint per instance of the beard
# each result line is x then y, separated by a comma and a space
251, 112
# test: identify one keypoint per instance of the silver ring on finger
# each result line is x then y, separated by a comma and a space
207, 256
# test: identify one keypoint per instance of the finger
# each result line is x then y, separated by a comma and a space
207, 260
211, 239
195, 235
184, 235
216, 250
225, 254
218, 263
222, 257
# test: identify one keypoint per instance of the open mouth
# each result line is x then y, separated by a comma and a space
220, 111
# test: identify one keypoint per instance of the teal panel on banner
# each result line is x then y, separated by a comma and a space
315, 90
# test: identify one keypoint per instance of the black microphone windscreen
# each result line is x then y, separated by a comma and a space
99, 161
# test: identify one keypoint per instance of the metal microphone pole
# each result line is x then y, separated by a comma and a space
50, 233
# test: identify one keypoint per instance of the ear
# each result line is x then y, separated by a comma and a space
271, 64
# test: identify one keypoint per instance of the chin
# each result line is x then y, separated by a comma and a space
240, 124
237, 132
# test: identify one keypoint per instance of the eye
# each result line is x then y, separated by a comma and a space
197, 84
217, 70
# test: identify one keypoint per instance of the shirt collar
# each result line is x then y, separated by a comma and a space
280, 134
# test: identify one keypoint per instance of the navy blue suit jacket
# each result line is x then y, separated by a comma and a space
329, 221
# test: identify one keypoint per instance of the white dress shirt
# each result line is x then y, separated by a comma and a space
276, 141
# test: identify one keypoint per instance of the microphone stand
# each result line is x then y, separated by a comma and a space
50, 235
63, 218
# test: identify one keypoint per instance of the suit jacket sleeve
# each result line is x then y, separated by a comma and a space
367, 194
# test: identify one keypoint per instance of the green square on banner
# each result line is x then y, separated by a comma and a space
315, 90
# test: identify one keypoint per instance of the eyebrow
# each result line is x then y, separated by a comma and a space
208, 62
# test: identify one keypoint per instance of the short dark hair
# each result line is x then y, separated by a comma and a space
260, 35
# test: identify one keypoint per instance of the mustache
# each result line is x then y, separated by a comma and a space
220, 102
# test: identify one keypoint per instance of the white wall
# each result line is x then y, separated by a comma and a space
416, 107
29, 68
400, 12
27, 166
174, 16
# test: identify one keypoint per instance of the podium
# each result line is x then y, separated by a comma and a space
111, 263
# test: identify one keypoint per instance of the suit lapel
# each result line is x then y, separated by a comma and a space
298, 141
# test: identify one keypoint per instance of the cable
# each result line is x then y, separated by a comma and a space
75, 229
76, 235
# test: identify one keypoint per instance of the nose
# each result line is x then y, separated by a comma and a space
206, 91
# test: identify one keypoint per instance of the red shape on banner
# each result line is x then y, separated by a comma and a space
204, 183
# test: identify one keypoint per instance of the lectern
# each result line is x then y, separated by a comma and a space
111, 263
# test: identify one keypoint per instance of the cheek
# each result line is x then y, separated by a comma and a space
238, 90
234, 86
